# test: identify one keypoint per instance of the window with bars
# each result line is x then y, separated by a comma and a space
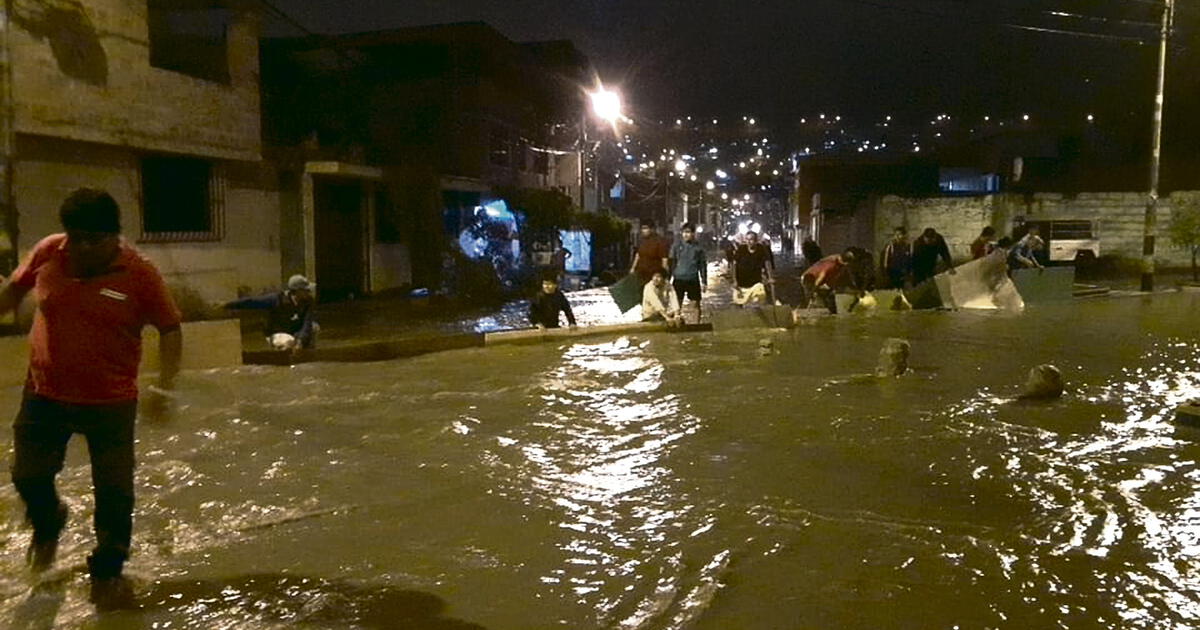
183, 199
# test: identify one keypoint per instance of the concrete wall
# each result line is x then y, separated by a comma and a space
81, 70
958, 219
247, 256
1119, 218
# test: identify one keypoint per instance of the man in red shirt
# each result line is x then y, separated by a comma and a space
94, 294
826, 276
653, 254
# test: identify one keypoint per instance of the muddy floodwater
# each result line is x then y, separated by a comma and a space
671, 481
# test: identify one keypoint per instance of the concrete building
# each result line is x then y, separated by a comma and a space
828, 192
413, 129
158, 103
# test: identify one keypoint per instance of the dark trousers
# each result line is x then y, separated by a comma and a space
921, 274
896, 278
812, 293
40, 435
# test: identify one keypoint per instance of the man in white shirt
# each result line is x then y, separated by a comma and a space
659, 300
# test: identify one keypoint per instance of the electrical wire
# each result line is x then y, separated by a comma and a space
1093, 18
1059, 31
1015, 26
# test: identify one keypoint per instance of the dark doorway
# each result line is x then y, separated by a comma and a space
339, 235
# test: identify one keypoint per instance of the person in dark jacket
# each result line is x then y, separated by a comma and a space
896, 260
547, 304
811, 252
290, 324
926, 251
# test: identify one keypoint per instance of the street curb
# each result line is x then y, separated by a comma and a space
364, 352
534, 335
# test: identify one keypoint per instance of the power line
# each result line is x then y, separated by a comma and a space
1094, 18
1015, 26
1059, 31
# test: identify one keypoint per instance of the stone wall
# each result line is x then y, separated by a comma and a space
1119, 218
81, 70
958, 219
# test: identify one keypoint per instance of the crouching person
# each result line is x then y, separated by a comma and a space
548, 303
290, 324
822, 280
659, 301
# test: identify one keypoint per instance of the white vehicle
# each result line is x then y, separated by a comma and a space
1070, 240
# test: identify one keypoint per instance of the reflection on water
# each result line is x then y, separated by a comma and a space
671, 481
597, 449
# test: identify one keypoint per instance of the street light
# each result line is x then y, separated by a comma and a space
680, 166
606, 105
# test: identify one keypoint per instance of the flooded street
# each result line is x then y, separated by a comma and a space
670, 481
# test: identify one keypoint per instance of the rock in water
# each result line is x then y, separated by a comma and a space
893, 358
766, 347
1188, 413
1045, 382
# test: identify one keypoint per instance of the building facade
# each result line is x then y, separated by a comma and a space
447, 116
158, 103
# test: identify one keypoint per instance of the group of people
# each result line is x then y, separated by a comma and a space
684, 262
903, 262
918, 260
1019, 253
668, 275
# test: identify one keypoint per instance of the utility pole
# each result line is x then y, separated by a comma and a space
1151, 223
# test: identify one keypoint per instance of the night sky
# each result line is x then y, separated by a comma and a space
780, 60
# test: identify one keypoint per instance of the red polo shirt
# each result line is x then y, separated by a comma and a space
831, 266
86, 341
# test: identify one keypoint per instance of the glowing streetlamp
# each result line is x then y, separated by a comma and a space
709, 185
680, 166
606, 105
